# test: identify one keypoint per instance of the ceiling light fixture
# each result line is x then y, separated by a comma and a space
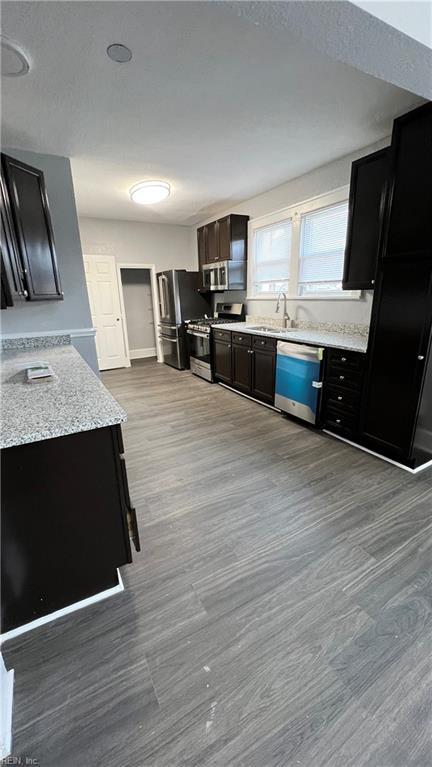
149, 192
119, 53
14, 61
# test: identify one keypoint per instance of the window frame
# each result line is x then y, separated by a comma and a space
295, 212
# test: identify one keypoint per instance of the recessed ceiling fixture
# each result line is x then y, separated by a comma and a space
14, 61
149, 192
119, 53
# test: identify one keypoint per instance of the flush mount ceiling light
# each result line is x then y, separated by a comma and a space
149, 192
119, 53
14, 61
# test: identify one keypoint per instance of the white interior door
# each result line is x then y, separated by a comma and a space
102, 285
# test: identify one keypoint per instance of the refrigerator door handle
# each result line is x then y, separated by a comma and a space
161, 296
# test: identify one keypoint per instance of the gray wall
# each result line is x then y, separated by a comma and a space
73, 313
138, 309
168, 247
319, 181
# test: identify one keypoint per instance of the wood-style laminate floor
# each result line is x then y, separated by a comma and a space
280, 612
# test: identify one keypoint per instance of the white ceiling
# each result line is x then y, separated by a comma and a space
220, 107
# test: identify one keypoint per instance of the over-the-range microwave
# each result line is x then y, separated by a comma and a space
225, 275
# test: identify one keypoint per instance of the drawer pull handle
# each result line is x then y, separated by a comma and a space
341, 378
340, 398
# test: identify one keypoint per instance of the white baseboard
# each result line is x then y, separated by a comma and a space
64, 611
377, 455
139, 354
6, 703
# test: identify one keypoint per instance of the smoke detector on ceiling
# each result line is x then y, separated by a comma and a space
119, 53
14, 60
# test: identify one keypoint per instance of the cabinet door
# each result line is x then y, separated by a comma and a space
202, 246
212, 242
12, 272
401, 322
242, 368
408, 229
222, 361
263, 375
32, 224
368, 177
224, 227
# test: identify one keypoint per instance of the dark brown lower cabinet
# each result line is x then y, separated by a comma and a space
263, 375
242, 368
247, 363
66, 522
222, 370
397, 403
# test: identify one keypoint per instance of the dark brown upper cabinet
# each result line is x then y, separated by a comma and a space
26, 212
223, 240
407, 231
233, 237
212, 230
367, 187
202, 246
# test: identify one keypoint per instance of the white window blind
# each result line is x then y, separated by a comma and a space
323, 234
272, 253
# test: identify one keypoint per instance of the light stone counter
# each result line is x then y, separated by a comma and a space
76, 400
350, 342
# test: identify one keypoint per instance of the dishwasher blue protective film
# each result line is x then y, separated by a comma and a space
294, 379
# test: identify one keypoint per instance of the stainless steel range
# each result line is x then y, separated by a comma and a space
198, 333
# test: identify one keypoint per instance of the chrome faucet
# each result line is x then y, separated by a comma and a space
286, 317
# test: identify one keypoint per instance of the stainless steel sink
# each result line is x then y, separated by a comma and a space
266, 329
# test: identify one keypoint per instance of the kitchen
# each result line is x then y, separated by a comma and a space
216, 377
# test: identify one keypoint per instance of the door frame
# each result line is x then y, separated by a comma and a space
120, 296
155, 301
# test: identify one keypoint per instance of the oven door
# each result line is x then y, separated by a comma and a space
199, 353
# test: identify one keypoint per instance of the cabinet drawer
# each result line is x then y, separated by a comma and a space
244, 339
341, 400
338, 358
264, 343
223, 335
339, 422
345, 380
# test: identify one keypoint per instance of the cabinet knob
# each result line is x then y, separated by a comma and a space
339, 398
343, 359
338, 420
229, 346
341, 378
372, 282
420, 357
262, 343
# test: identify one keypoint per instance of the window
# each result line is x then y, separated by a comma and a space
322, 247
301, 250
272, 257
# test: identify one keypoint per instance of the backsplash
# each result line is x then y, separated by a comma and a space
350, 328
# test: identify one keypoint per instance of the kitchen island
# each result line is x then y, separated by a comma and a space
66, 512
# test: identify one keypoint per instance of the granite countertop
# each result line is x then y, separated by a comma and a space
76, 400
350, 342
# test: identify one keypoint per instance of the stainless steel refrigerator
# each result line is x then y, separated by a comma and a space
179, 301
